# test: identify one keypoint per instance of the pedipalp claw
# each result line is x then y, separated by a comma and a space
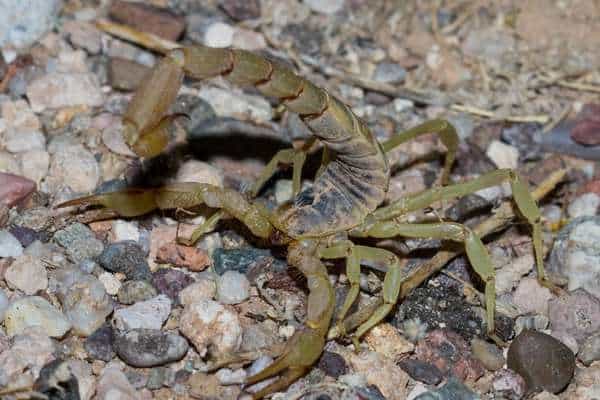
299, 354
127, 203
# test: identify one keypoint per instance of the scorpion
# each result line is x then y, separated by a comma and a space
344, 203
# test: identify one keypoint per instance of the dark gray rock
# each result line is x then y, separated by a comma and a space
99, 345
544, 362
126, 257
148, 347
422, 371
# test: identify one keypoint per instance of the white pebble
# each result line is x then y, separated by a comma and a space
325, 6
35, 311
219, 34
9, 245
585, 205
233, 287
503, 155
110, 282
124, 230
149, 314
28, 274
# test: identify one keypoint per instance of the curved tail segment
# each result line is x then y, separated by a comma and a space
353, 183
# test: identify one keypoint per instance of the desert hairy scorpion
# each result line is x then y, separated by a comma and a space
344, 202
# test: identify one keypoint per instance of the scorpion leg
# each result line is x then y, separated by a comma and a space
442, 128
476, 253
134, 202
306, 345
286, 156
520, 192
391, 284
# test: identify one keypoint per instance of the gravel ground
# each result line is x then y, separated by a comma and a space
115, 308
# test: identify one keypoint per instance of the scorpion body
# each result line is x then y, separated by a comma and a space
351, 185
343, 202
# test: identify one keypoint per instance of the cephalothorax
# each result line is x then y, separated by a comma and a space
348, 189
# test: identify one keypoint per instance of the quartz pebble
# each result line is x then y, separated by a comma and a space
28, 274
203, 289
575, 254
232, 288
57, 90
590, 349
30, 350
22, 23
9, 245
490, 355
35, 311
503, 155
84, 299
111, 283
73, 166
113, 384
576, 314
209, 324
148, 347
149, 314
509, 384
325, 7
586, 205
531, 297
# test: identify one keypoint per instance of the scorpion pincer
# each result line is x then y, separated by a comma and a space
342, 203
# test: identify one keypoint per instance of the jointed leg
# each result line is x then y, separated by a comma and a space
391, 285
381, 218
442, 128
133, 202
476, 253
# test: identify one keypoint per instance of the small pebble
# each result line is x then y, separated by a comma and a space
531, 297
576, 314
422, 371
509, 384
13, 188
576, 255
99, 345
489, 354
34, 164
73, 166
85, 301
57, 370
110, 282
135, 291
503, 155
149, 314
35, 311
219, 34
453, 389
386, 340
590, 349
229, 377
229, 104
59, 90
79, 242
332, 364
535, 322
325, 7
3, 303
192, 258
586, 205
28, 274
203, 289
544, 362
283, 191
241, 10
240, 260
29, 352
170, 282
22, 23
145, 348
209, 324
126, 257
113, 384
148, 18
450, 353
388, 72
124, 230
232, 288
9, 245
